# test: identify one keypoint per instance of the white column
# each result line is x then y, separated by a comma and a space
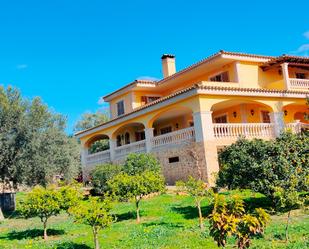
112, 146
203, 126
285, 74
148, 137
84, 153
277, 119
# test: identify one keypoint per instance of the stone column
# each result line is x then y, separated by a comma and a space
112, 146
285, 74
203, 126
204, 135
148, 137
277, 119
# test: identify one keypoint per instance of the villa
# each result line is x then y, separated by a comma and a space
185, 118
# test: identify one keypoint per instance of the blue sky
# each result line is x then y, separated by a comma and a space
72, 52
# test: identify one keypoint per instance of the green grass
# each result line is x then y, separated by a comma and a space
168, 221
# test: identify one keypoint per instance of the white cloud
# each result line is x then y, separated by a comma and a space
21, 66
147, 78
303, 48
101, 101
306, 34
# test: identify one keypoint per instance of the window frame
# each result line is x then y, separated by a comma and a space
123, 107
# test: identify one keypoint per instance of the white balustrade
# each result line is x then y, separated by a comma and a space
98, 158
248, 130
187, 134
135, 147
299, 83
296, 127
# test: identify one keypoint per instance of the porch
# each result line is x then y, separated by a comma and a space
224, 134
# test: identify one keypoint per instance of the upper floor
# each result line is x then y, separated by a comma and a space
226, 69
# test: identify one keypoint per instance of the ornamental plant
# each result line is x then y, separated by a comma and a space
43, 203
230, 219
135, 187
95, 213
199, 190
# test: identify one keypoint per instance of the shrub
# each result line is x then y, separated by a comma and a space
101, 174
230, 219
137, 163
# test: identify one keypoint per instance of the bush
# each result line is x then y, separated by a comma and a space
266, 166
101, 174
137, 163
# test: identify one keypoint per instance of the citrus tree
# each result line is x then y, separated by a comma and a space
199, 191
43, 203
135, 187
96, 213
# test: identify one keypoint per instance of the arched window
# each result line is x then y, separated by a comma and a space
118, 140
127, 138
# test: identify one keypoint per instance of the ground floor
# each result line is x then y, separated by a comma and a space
186, 135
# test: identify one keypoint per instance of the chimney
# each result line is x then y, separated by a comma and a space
168, 65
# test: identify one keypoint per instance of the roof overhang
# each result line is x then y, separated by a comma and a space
298, 61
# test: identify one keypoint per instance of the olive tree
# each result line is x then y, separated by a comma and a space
199, 191
96, 213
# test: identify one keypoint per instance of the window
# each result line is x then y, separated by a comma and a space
139, 135
118, 140
221, 119
174, 159
120, 108
265, 116
300, 75
222, 77
166, 130
127, 138
148, 99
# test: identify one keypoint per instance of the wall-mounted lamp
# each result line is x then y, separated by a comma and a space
252, 112
285, 112
234, 114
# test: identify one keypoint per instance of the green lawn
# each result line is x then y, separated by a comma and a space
168, 221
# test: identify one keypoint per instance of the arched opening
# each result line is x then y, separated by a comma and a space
129, 133
240, 111
171, 120
295, 112
97, 143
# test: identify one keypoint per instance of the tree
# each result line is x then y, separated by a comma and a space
47, 202
135, 187
265, 166
96, 213
199, 191
137, 163
230, 219
33, 143
89, 120
100, 176
42, 202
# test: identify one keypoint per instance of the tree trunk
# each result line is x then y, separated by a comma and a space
287, 227
200, 216
138, 219
96, 238
1, 215
45, 229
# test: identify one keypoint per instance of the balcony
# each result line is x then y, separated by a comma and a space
299, 83
224, 134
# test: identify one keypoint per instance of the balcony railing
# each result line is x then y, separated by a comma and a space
136, 147
175, 137
297, 127
97, 158
250, 130
299, 83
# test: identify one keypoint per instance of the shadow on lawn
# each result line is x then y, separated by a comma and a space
13, 214
31, 234
126, 216
190, 212
162, 223
71, 245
